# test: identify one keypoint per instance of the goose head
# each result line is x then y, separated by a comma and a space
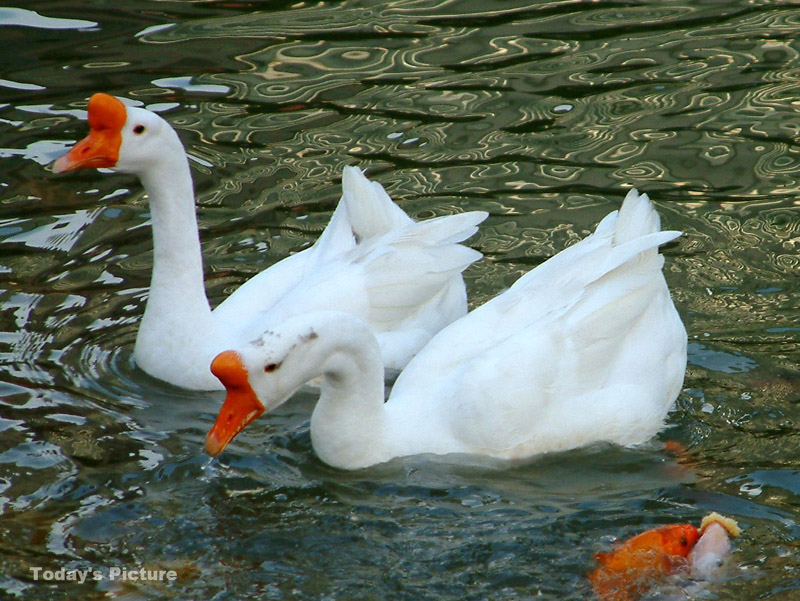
122, 138
258, 378
265, 373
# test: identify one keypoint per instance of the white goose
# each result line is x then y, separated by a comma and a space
373, 261
586, 347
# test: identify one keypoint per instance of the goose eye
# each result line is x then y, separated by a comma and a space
270, 367
138, 130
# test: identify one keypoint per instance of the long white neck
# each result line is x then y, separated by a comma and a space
348, 426
177, 306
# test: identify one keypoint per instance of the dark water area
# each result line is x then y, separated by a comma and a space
543, 114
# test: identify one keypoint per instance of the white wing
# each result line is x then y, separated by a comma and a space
565, 347
373, 261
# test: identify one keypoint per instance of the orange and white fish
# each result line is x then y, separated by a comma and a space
633, 568
627, 572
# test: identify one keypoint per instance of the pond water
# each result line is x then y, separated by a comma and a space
542, 113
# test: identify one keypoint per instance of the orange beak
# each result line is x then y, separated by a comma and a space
107, 116
98, 149
241, 404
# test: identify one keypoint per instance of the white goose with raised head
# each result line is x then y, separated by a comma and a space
372, 261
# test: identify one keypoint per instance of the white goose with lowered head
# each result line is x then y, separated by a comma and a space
586, 347
373, 261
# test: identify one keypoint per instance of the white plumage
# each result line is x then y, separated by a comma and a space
373, 261
586, 347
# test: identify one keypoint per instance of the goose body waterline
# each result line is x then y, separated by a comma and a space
373, 261
586, 347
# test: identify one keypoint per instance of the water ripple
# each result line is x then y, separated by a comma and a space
543, 114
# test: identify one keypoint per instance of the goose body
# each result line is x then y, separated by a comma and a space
373, 261
586, 347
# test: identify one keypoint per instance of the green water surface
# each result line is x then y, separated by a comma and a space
543, 114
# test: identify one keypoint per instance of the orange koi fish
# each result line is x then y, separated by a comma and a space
628, 571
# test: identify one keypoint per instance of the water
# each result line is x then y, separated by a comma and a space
540, 113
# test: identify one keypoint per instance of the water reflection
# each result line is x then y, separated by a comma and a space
542, 114
29, 18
